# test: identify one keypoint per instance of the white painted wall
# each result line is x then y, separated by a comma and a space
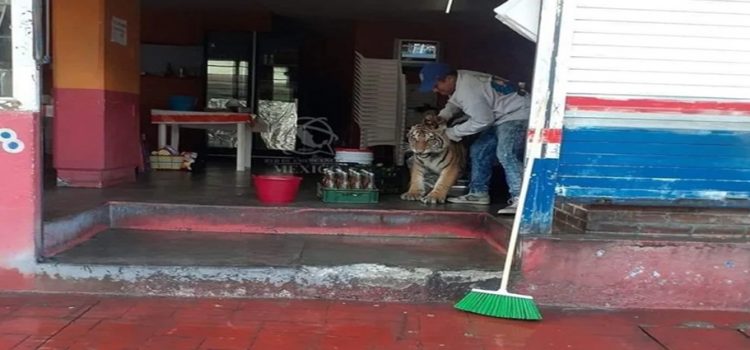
663, 49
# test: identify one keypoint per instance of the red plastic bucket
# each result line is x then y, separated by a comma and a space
276, 189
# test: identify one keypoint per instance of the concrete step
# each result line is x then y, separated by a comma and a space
622, 220
602, 271
64, 232
125, 261
374, 254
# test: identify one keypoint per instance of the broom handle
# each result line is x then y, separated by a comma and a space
535, 151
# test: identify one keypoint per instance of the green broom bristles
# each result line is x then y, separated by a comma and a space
498, 304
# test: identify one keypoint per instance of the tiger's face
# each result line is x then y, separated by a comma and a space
428, 138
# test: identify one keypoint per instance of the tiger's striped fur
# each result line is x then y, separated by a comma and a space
433, 152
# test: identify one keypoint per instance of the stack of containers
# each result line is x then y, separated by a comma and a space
379, 103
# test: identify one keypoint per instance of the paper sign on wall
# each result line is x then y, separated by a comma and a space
119, 31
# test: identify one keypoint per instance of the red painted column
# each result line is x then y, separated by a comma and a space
20, 157
20, 204
96, 76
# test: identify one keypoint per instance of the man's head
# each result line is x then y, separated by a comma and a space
439, 78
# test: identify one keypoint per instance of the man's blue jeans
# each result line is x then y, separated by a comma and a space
506, 143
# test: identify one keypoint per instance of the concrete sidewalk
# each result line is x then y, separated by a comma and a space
43, 321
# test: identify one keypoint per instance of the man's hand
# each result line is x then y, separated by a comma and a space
452, 135
432, 120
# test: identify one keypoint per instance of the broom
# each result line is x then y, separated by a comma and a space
501, 303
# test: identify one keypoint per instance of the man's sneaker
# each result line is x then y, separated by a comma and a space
511, 208
471, 198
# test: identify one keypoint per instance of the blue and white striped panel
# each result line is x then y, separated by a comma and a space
651, 157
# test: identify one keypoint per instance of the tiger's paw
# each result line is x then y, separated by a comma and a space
434, 198
412, 196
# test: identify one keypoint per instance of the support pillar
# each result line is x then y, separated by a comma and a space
96, 67
20, 155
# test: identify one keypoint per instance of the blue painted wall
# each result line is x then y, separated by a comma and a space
540, 205
614, 164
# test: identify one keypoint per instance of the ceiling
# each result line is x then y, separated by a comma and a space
346, 9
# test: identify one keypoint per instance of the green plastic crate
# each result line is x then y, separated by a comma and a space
350, 196
162, 162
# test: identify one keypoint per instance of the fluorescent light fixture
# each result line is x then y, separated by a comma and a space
448, 7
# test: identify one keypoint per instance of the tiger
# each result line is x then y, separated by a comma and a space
433, 152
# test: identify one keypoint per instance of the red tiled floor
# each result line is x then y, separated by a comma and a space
9, 341
114, 334
200, 315
311, 311
86, 322
33, 343
675, 338
288, 335
69, 335
31, 325
226, 343
346, 310
680, 317
109, 309
577, 337
49, 311
218, 330
152, 313
378, 334
172, 342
